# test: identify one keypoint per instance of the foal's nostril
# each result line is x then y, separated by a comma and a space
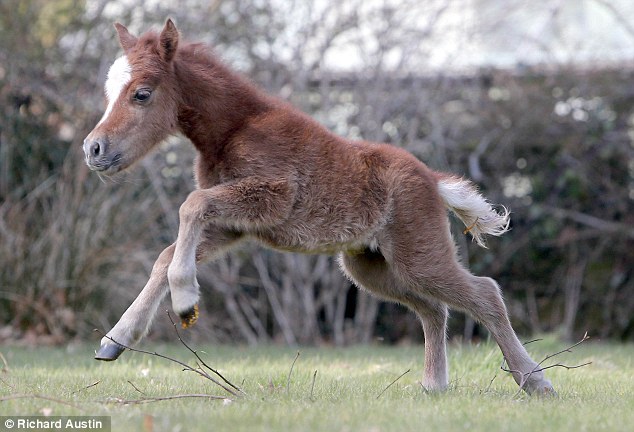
96, 151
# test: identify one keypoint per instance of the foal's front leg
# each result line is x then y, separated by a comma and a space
242, 205
136, 320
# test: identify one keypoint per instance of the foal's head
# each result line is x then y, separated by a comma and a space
142, 95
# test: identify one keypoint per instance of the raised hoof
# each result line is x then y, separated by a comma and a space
109, 352
189, 318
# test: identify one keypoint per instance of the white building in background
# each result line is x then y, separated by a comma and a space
466, 34
433, 35
586, 32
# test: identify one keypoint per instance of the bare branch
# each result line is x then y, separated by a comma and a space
87, 387
37, 396
591, 221
565, 366
288, 380
7, 384
135, 387
272, 291
569, 349
392, 383
169, 213
491, 382
200, 359
5, 367
163, 398
312, 386
184, 365
539, 368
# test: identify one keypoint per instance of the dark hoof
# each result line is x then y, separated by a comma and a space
109, 352
189, 317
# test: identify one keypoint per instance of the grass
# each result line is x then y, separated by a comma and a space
344, 396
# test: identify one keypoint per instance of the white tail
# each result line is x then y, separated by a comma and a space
478, 215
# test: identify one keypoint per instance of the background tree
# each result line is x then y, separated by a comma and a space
550, 137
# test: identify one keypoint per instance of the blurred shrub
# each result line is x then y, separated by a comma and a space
553, 145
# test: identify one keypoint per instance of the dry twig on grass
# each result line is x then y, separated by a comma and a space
136, 388
202, 362
539, 367
38, 396
87, 387
163, 398
392, 383
5, 364
288, 380
12, 387
185, 366
229, 387
312, 386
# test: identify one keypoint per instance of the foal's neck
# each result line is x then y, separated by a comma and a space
215, 101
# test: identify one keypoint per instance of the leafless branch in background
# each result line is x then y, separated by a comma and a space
552, 141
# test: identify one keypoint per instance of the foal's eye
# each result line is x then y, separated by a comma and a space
142, 95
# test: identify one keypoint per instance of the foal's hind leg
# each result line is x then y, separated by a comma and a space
433, 315
421, 254
481, 297
447, 281
370, 271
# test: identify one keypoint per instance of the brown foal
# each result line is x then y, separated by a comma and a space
267, 172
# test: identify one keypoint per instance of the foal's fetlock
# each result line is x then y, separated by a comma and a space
539, 386
434, 387
189, 317
185, 293
185, 304
188, 314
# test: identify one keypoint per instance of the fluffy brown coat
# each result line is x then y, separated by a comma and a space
266, 171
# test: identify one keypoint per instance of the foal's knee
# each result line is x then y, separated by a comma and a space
488, 298
193, 208
487, 286
163, 261
166, 256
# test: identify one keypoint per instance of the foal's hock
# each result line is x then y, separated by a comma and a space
269, 173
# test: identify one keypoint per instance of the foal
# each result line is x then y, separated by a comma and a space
267, 172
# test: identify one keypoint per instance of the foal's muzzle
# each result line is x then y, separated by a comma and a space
98, 157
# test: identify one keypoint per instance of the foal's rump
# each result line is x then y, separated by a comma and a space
418, 199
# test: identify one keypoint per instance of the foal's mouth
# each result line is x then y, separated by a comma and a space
109, 166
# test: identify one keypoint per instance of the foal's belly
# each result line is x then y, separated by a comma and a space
327, 237
319, 247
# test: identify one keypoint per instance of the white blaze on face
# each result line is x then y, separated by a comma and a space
119, 76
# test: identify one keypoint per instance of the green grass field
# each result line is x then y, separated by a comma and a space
341, 397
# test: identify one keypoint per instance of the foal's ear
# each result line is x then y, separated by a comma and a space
126, 39
168, 41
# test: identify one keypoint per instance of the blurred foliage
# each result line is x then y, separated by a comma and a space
554, 145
